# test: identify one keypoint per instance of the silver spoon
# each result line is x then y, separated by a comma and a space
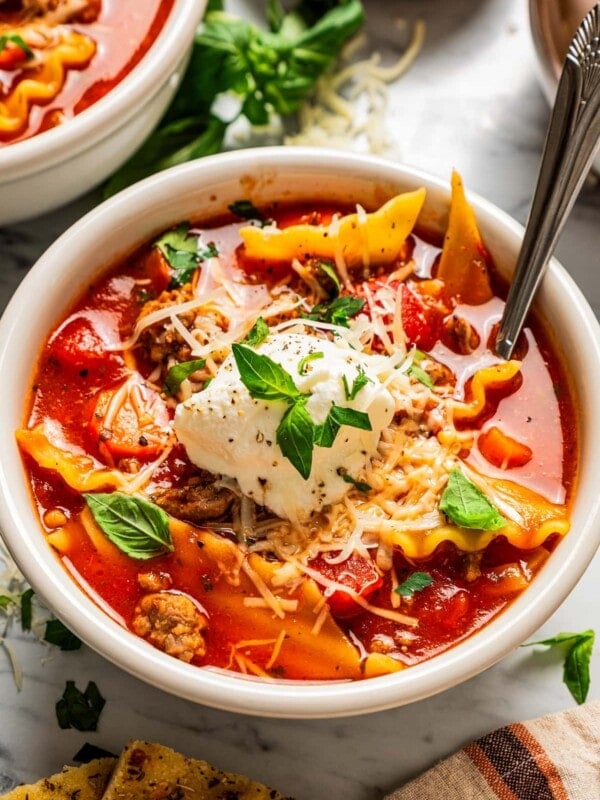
572, 141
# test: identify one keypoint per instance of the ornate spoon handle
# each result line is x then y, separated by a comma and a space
572, 141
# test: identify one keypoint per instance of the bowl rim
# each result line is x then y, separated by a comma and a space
232, 692
114, 109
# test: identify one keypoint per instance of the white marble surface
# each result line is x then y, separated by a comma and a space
471, 101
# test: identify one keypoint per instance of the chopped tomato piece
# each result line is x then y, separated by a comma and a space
502, 450
79, 345
422, 321
357, 573
11, 55
130, 421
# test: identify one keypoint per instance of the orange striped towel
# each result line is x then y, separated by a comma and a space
556, 757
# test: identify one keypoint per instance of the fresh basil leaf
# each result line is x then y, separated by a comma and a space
338, 311
359, 383
360, 485
295, 435
420, 375
578, 649
14, 38
263, 377
177, 240
275, 15
138, 528
304, 362
351, 417
258, 334
467, 506
179, 372
328, 268
26, 609
245, 209
58, 634
326, 433
89, 752
79, 710
414, 583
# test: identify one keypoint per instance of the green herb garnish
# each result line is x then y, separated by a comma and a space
182, 253
258, 333
467, 506
179, 372
58, 634
89, 752
420, 375
5, 601
80, 710
295, 435
304, 362
26, 609
359, 383
264, 378
138, 528
326, 433
362, 486
329, 270
414, 583
245, 209
578, 649
338, 311
17, 40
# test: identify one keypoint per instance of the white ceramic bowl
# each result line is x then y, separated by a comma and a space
204, 188
53, 167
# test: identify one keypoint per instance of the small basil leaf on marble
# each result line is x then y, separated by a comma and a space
27, 609
58, 634
138, 528
578, 649
79, 710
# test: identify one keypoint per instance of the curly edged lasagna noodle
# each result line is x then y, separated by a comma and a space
288, 449
57, 57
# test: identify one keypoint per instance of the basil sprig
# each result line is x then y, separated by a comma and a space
359, 383
578, 649
245, 209
338, 311
296, 434
467, 506
138, 528
58, 634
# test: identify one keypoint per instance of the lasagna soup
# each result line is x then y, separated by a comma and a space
281, 443
57, 57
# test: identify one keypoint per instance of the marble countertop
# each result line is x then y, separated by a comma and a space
471, 101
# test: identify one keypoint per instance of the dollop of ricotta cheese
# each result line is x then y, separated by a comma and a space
228, 432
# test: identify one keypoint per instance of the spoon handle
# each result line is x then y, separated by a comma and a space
572, 141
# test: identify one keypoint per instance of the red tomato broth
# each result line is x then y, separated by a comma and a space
123, 33
449, 610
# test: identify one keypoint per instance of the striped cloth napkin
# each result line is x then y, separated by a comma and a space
556, 757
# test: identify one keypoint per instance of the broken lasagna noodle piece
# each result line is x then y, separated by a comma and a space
290, 446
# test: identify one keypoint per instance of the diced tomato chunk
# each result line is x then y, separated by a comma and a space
79, 345
130, 421
422, 321
357, 573
11, 55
